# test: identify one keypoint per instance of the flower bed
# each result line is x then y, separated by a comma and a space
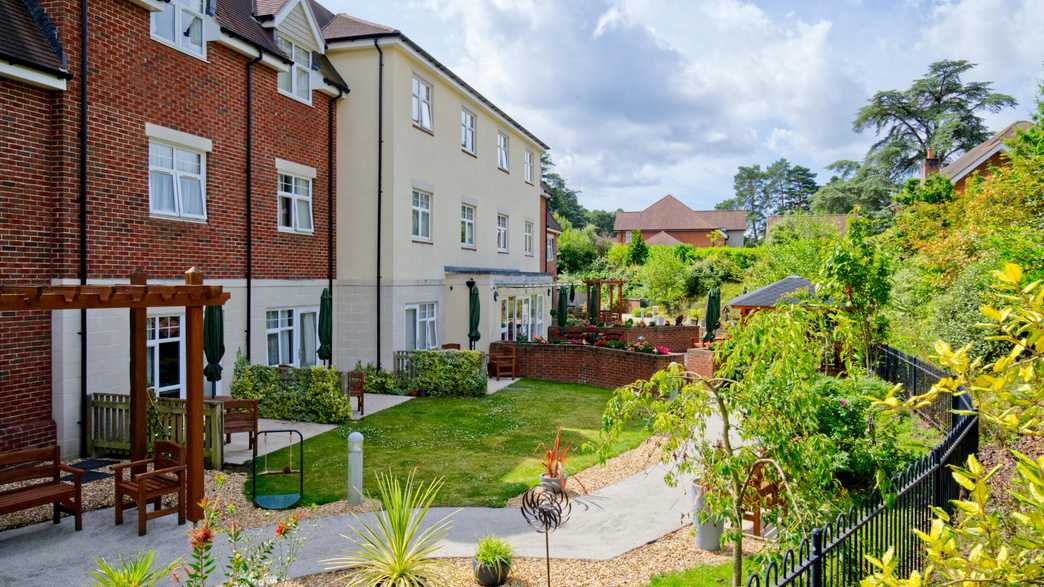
589, 364
677, 339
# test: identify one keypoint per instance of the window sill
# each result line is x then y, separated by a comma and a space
295, 97
529, 254
181, 50
530, 182
423, 130
499, 168
422, 241
172, 218
286, 230
469, 247
503, 252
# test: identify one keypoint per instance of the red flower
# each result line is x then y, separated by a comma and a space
201, 537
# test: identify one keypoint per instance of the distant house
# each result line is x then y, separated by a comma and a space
670, 222
979, 160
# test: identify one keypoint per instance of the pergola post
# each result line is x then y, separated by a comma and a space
194, 399
138, 378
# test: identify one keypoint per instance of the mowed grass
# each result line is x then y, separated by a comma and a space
484, 448
701, 576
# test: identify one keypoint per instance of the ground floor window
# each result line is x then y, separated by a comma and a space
521, 317
164, 356
293, 336
421, 331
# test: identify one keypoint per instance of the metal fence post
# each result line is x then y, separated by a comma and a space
355, 468
817, 559
939, 478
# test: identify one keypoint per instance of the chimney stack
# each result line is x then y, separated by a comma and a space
930, 165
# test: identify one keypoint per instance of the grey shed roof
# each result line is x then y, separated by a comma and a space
773, 293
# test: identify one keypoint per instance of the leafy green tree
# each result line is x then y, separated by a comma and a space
564, 200
637, 250
576, 249
795, 188
854, 185
934, 189
663, 276
857, 276
938, 111
778, 189
603, 221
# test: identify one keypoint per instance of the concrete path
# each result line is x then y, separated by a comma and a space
377, 402
494, 385
603, 525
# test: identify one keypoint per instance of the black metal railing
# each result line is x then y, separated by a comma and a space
834, 555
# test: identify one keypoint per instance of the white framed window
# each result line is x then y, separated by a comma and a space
421, 331
502, 233
295, 203
627, 236
296, 83
164, 356
502, 150
527, 238
177, 181
180, 24
527, 166
550, 247
467, 130
421, 216
538, 315
292, 336
517, 319
467, 226
421, 103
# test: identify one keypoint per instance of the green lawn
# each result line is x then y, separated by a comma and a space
701, 576
486, 448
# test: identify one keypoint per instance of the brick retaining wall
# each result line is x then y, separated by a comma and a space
573, 363
677, 339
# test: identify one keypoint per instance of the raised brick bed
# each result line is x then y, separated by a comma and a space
677, 339
574, 363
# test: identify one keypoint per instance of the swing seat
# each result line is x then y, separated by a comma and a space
277, 501
283, 500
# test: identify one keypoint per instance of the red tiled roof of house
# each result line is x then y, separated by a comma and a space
28, 37
662, 238
669, 213
969, 161
268, 7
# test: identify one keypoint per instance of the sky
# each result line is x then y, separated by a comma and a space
642, 98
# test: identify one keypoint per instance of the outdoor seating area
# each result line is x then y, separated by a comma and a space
144, 486
43, 465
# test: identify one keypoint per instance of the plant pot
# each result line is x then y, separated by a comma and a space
490, 576
708, 534
555, 483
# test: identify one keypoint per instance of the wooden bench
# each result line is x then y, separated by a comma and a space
502, 362
167, 477
40, 463
240, 415
353, 384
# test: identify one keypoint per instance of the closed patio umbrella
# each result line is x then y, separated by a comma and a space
593, 304
325, 351
213, 344
712, 321
474, 314
563, 310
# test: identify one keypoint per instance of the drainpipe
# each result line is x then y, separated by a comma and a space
249, 190
84, 399
330, 192
380, 183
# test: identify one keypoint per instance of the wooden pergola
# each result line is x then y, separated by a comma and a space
615, 302
138, 297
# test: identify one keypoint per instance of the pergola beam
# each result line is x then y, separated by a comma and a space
88, 297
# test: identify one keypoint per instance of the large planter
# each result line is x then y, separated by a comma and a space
490, 576
553, 483
586, 364
708, 534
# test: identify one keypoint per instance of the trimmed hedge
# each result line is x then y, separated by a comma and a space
309, 394
448, 373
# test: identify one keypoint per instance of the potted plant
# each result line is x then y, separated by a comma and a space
492, 562
709, 531
554, 475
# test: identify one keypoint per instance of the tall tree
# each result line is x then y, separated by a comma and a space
780, 188
796, 189
563, 199
602, 220
854, 184
938, 112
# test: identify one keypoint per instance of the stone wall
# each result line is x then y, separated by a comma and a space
571, 363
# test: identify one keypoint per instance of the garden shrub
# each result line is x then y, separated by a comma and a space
379, 381
307, 394
448, 373
711, 272
956, 317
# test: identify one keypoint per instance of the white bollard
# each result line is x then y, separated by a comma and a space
355, 468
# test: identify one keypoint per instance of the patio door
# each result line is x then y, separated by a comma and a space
309, 320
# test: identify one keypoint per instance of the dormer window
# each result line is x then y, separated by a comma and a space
180, 24
296, 83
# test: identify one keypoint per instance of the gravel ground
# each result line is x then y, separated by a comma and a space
673, 552
100, 494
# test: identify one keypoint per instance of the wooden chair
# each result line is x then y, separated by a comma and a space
167, 477
451, 346
240, 415
40, 463
502, 362
765, 494
353, 384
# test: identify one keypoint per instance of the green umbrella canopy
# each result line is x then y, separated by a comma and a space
593, 303
474, 313
325, 350
712, 321
213, 341
563, 309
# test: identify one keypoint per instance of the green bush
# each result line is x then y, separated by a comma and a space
956, 317
379, 381
494, 552
309, 394
448, 373
711, 272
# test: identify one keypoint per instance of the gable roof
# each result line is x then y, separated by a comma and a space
662, 238
773, 293
669, 213
29, 38
971, 160
349, 28
552, 224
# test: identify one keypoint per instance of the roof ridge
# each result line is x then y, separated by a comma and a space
47, 29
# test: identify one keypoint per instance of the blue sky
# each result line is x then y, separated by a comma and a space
640, 98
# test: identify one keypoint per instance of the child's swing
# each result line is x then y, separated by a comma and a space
284, 499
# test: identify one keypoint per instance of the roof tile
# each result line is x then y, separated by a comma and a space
28, 37
964, 164
669, 213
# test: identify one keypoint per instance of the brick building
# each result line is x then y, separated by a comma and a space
184, 102
980, 160
668, 221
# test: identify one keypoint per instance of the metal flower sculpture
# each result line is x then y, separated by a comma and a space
546, 510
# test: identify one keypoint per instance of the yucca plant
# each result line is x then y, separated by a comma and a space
133, 572
394, 551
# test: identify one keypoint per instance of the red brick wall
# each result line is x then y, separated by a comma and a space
997, 160
27, 165
700, 361
677, 339
135, 80
696, 238
600, 367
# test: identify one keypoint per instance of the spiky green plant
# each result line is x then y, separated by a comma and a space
394, 551
134, 572
494, 552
